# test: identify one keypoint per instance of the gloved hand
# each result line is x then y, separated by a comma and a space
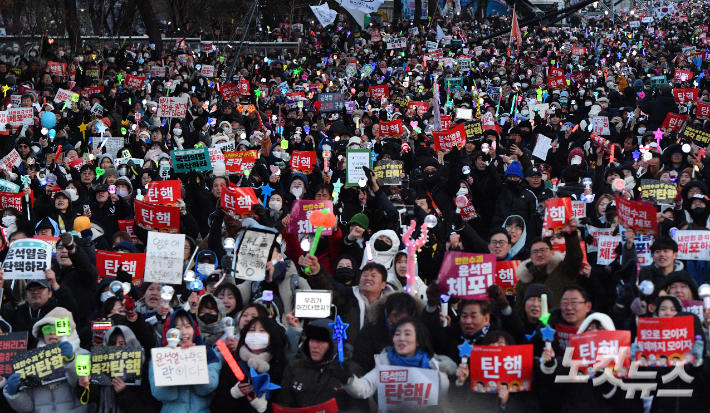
130, 305
67, 240
343, 374
638, 306
260, 404
13, 382
238, 391
457, 222
496, 293
698, 350
97, 337
86, 235
67, 349
625, 293
179, 141
584, 221
183, 207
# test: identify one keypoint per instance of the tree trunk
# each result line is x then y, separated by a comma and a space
417, 12
150, 21
72, 23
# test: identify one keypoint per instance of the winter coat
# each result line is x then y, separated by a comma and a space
23, 318
514, 202
657, 110
81, 279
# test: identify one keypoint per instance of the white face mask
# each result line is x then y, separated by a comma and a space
121, 192
587, 103
275, 205
8, 221
277, 154
177, 132
72, 194
205, 269
256, 341
123, 171
642, 131
297, 192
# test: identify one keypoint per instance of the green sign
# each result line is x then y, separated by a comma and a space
187, 160
62, 326
452, 82
657, 81
83, 364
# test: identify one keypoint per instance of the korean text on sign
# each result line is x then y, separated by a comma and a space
187, 160
27, 259
493, 367
406, 386
41, 366
665, 341
116, 361
466, 275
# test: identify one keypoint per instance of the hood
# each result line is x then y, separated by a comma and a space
197, 260
128, 335
127, 182
50, 319
524, 274
213, 331
385, 258
521, 242
375, 313
604, 319
680, 276
49, 221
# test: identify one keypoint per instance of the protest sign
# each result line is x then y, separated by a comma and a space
420, 107
300, 214
330, 102
237, 162
474, 129
453, 82
88, 91
164, 258
379, 92
596, 233
563, 333
216, 156
445, 123
303, 161
230, 89
391, 128
57, 68
355, 160
700, 137
126, 225
448, 139
506, 276
685, 95
558, 212
542, 147
607, 248
657, 81
12, 200
601, 125
186, 160
135, 82
665, 342
643, 247
157, 71
252, 254
157, 217
412, 387
207, 71
696, 307
109, 362
579, 209
7, 186
63, 95
682, 75
97, 109
40, 366
11, 345
674, 121
594, 345
397, 43
238, 202
693, 245
313, 304
389, 172
27, 259
113, 145
467, 275
179, 367
638, 215
702, 112
163, 192
172, 107
331, 406
658, 192
109, 263
20, 116
493, 367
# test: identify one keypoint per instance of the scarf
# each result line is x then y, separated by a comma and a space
210, 332
260, 362
420, 359
108, 401
473, 339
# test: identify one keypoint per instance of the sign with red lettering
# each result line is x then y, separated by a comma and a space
391, 128
596, 233
157, 217
207, 71
598, 345
238, 202
20, 116
467, 275
638, 215
136, 82
506, 276
448, 139
493, 367
301, 212
399, 386
607, 248
163, 192
421, 107
88, 91
109, 263
557, 213
685, 95
63, 95
11, 344
664, 342
303, 161
172, 107
230, 89
158, 71
236, 162
379, 92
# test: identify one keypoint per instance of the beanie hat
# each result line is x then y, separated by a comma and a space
303, 178
514, 169
360, 220
81, 223
537, 290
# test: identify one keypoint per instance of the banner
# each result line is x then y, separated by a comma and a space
557, 213
237, 162
665, 342
493, 367
157, 217
172, 107
391, 128
389, 172
324, 14
682, 75
330, 102
700, 137
301, 211
179, 367
658, 192
355, 160
11, 345
40, 366
238, 201
693, 245
108, 362
446, 140
420, 107
228, 90
467, 275
702, 112
594, 345
186, 160
163, 192
108, 264
303, 161
638, 215
27, 259
164, 256
413, 387
328, 407
253, 253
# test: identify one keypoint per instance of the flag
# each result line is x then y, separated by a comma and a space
515, 31
439, 33
436, 111
324, 14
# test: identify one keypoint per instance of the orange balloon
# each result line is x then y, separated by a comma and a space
329, 220
317, 218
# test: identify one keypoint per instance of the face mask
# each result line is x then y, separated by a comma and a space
297, 192
275, 205
208, 318
80, 58
695, 213
123, 171
587, 103
256, 341
205, 269
381, 246
122, 192
512, 184
524, 85
642, 131
165, 164
576, 160
111, 59
343, 275
581, 93
277, 154
429, 176
177, 132
461, 192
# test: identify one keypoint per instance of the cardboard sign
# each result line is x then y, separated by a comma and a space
596, 345
557, 213
391, 128
447, 140
700, 137
467, 275
665, 342
638, 215
252, 254
379, 92
674, 121
330, 102
172, 107
607, 248
693, 245
20, 116
685, 95
40, 366
238, 202
331, 406
108, 362
300, 214
400, 387
303, 161
356, 159
179, 367
108, 264
11, 345
236, 162
163, 192
27, 259
158, 71
506, 276
313, 304
157, 217
389, 172
186, 160
658, 192
164, 256
492, 367
11, 200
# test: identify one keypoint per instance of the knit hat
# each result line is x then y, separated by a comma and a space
514, 169
537, 290
300, 176
361, 220
81, 223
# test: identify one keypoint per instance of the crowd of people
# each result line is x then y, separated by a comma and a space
570, 112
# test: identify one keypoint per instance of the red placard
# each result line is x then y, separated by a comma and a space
301, 211
136, 82
228, 90
665, 341
468, 211
557, 213
703, 111
236, 162
563, 334
579, 51
303, 161
109, 263
683, 76
579, 76
163, 192
467, 275
599, 344
638, 215
57, 68
244, 87
391, 128
685, 95
445, 122
507, 276
556, 82
379, 92
157, 217
8, 199
533, 61
88, 91
328, 407
446, 140
422, 107
126, 225
238, 201
493, 366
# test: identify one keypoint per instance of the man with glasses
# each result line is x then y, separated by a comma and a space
500, 244
575, 306
75, 272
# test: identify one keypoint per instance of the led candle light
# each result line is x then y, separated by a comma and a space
229, 358
412, 247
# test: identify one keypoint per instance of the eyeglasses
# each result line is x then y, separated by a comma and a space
539, 251
571, 303
513, 227
60, 248
498, 243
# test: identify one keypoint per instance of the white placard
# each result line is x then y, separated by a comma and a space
226, 146
207, 71
601, 125
466, 114
113, 145
27, 259
542, 146
253, 252
97, 109
579, 209
172, 107
392, 381
607, 245
164, 258
313, 304
20, 116
355, 160
179, 367
63, 95
397, 43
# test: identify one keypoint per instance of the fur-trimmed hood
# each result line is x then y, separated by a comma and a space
524, 274
375, 313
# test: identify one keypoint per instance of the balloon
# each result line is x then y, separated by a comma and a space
317, 218
329, 221
52, 133
317, 105
49, 120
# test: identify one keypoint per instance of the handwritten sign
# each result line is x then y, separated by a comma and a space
109, 263
493, 367
157, 217
186, 160
413, 387
113, 144
109, 362
179, 367
11, 345
356, 159
40, 366
665, 341
313, 304
172, 107
27, 259
253, 252
164, 258
389, 172
300, 214
467, 275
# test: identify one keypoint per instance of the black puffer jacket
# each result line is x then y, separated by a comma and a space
517, 201
657, 109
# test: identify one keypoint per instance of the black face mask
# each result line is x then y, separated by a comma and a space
430, 177
699, 215
208, 318
381, 246
513, 185
343, 274
119, 320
